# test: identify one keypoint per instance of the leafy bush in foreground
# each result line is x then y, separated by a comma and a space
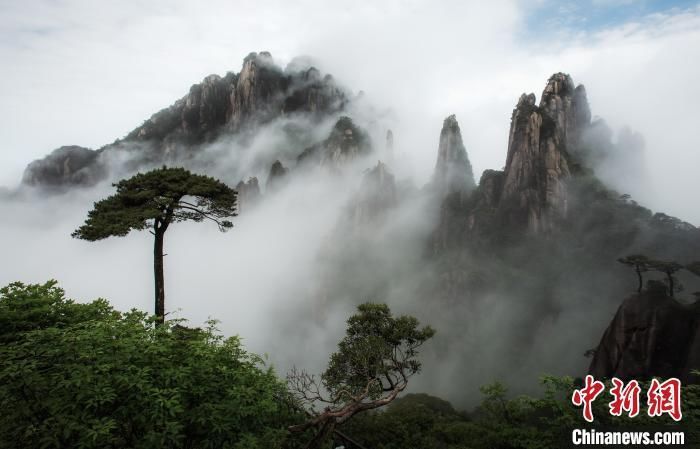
86, 376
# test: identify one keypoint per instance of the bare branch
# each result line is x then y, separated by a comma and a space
203, 214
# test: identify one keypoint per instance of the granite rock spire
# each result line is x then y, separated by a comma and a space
453, 171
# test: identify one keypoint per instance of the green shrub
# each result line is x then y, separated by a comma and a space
86, 376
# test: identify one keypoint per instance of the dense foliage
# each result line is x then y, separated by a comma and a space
378, 353
86, 376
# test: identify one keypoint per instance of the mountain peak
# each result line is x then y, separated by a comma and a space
257, 91
450, 122
541, 141
264, 57
567, 105
453, 171
559, 84
526, 100
219, 105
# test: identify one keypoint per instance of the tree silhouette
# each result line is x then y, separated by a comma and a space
640, 264
669, 268
153, 201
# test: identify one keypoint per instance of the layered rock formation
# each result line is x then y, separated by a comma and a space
217, 106
650, 335
453, 171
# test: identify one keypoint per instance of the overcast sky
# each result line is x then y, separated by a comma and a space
87, 72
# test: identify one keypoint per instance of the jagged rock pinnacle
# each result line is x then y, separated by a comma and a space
453, 171
540, 142
568, 106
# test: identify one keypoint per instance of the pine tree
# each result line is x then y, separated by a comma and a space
153, 201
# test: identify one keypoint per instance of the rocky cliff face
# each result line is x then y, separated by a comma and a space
568, 107
453, 171
530, 194
650, 335
541, 141
66, 166
229, 105
258, 92
198, 116
205, 107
